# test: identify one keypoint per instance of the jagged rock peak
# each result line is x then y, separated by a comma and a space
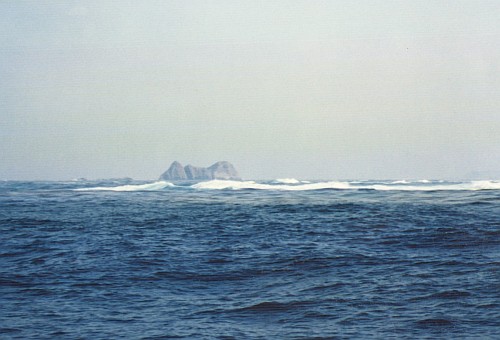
218, 170
175, 171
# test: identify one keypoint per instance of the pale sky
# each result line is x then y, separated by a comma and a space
304, 89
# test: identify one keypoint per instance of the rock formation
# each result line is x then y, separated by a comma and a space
196, 172
219, 170
175, 171
223, 170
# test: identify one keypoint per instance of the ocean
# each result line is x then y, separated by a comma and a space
281, 259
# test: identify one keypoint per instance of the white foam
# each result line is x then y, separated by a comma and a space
485, 185
287, 181
238, 185
130, 187
304, 186
474, 185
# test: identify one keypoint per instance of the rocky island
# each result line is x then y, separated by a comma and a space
219, 170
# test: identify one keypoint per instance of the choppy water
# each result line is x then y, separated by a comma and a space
282, 259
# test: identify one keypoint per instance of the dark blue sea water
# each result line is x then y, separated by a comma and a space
247, 260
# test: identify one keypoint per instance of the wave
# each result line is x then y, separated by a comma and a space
287, 181
427, 186
296, 185
238, 185
424, 181
131, 187
422, 186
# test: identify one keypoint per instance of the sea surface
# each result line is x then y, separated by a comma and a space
281, 259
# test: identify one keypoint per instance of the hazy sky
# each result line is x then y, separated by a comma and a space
304, 89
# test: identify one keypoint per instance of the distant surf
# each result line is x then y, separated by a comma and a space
292, 184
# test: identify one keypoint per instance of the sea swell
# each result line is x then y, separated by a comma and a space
248, 260
291, 184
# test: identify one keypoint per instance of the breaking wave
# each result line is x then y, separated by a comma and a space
401, 182
238, 185
296, 185
400, 186
287, 181
428, 186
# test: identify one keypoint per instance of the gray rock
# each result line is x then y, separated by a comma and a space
223, 170
174, 172
197, 172
219, 170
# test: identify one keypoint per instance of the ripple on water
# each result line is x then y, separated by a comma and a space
249, 265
